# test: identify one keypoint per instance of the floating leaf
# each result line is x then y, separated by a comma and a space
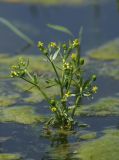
60, 28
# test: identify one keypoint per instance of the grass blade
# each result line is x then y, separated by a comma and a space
60, 28
16, 30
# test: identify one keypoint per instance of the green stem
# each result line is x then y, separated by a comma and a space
29, 75
37, 86
70, 80
56, 75
78, 56
75, 107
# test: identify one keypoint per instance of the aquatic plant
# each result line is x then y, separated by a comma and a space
68, 76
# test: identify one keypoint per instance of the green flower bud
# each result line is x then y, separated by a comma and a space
53, 45
52, 102
94, 77
64, 46
45, 52
81, 61
53, 109
76, 43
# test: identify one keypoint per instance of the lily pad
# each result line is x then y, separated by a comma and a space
8, 156
104, 148
20, 114
103, 107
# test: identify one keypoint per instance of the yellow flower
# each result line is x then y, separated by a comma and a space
68, 94
53, 109
94, 89
76, 43
73, 56
53, 45
66, 65
14, 74
40, 45
14, 67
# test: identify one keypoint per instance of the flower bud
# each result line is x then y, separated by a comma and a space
76, 43
81, 61
52, 102
73, 56
40, 45
45, 52
94, 77
53, 45
53, 109
64, 46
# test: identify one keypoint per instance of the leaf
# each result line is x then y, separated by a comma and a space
80, 33
56, 54
60, 28
51, 86
87, 82
35, 76
16, 30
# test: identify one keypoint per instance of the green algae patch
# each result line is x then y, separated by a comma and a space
36, 62
104, 68
7, 101
113, 132
20, 114
8, 156
103, 107
88, 136
104, 148
107, 52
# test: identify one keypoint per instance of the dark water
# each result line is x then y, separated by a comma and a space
27, 140
101, 24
